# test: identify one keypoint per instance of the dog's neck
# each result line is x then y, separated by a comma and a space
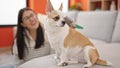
54, 29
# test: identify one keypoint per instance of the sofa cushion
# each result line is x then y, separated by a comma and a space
106, 51
116, 33
97, 25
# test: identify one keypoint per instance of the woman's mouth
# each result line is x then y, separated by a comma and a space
33, 22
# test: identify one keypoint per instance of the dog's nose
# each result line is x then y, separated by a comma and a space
63, 22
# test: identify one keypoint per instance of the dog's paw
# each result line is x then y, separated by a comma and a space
59, 64
87, 66
62, 64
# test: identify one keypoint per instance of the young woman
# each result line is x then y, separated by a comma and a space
30, 41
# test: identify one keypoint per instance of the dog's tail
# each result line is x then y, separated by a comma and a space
103, 62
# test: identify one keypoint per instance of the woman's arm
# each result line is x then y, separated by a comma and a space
17, 61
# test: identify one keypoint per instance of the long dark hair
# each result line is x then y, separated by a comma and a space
21, 45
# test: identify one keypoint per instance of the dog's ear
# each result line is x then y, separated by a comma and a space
61, 7
49, 7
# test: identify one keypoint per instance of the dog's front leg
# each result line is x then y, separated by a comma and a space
56, 57
63, 59
62, 62
57, 53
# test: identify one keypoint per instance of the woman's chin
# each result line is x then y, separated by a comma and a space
35, 26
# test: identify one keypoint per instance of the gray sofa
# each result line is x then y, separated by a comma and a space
103, 29
6, 66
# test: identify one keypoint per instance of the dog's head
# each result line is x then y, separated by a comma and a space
55, 17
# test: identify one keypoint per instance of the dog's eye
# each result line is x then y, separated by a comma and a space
56, 18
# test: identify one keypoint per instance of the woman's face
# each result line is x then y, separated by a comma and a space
30, 20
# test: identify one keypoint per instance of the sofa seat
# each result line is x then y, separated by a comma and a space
107, 51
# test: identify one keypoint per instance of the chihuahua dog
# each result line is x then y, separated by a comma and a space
68, 43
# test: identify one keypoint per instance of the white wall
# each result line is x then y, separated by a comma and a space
9, 11
56, 4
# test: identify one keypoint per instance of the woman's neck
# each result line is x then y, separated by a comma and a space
33, 34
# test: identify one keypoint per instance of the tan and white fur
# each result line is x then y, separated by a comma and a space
67, 42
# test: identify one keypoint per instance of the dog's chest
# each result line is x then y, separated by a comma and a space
56, 34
